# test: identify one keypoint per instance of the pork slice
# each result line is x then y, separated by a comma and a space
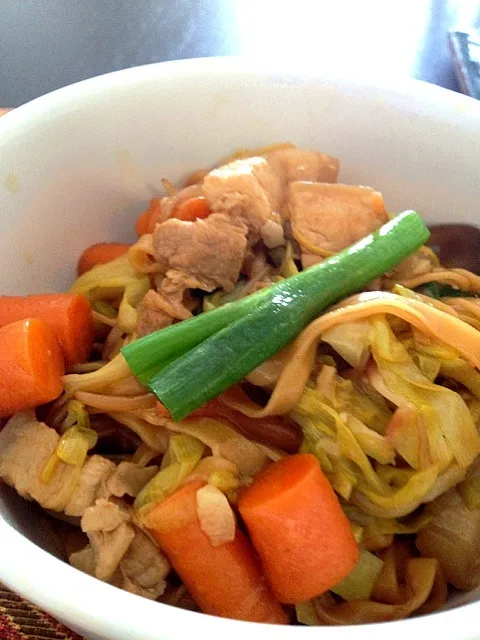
158, 309
247, 189
128, 479
418, 264
332, 216
110, 533
293, 164
95, 470
26, 446
104, 515
83, 560
109, 547
143, 569
205, 254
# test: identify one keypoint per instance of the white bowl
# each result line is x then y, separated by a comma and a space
77, 165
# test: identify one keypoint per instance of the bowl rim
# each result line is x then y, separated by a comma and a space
85, 602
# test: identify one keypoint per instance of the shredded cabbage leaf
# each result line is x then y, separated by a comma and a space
224, 442
183, 455
450, 430
112, 280
75, 441
350, 340
216, 517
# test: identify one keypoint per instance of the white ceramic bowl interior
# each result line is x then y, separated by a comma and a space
79, 164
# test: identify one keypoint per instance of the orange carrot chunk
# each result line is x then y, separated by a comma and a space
224, 581
101, 254
188, 211
31, 366
142, 223
296, 524
148, 219
192, 209
68, 314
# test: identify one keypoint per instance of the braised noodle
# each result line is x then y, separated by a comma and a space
383, 389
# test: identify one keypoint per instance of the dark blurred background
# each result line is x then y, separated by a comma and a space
46, 44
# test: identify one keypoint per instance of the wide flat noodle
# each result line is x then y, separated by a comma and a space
459, 278
154, 437
111, 373
300, 355
405, 585
105, 402
467, 309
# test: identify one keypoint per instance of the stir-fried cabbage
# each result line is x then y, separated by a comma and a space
358, 440
224, 442
111, 280
74, 443
469, 489
444, 417
183, 455
350, 340
215, 515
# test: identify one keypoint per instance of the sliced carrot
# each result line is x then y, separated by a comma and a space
68, 314
187, 211
296, 524
225, 581
101, 254
142, 223
31, 366
148, 219
192, 209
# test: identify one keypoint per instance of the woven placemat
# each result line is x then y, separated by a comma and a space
20, 620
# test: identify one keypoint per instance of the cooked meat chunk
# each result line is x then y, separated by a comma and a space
95, 471
104, 515
330, 217
418, 264
25, 448
255, 188
247, 189
119, 552
204, 254
158, 309
292, 164
128, 479
151, 314
143, 569
83, 560
110, 533
109, 547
